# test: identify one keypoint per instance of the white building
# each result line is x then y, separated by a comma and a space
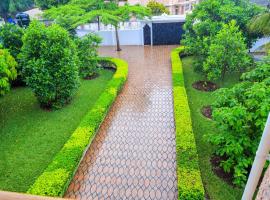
176, 7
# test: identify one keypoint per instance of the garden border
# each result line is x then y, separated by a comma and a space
190, 186
57, 176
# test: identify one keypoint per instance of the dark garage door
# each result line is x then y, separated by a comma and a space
167, 33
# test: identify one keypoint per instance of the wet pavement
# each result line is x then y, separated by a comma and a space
133, 155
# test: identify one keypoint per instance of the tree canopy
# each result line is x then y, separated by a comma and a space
157, 8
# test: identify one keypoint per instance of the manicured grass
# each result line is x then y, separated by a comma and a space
215, 187
31, 137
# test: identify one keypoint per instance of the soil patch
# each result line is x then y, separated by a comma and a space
205, 86
207, 111
91, 77
215, 161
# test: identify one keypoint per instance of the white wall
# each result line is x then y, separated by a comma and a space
126, 37
260, 43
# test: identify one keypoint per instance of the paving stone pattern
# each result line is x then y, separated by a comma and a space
133, 155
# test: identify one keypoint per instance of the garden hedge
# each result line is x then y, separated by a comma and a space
190, 185
57, 176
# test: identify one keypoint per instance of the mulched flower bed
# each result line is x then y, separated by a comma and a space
206, 86
207, 112
228, 177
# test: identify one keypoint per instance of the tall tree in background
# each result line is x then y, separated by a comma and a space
4, 9
79, 12
157, 8
207, 20
11, 7
45, 4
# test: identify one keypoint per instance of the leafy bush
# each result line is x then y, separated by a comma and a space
87, 54
11, 38
157, 8
240, 114
190, 185
50, 64
227, 53
7, 71
56, 178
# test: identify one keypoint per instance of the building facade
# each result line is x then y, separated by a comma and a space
176, 7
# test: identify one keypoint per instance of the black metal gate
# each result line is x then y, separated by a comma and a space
147, 34
167, 33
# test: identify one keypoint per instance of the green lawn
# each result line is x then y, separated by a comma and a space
215, 187
30, 136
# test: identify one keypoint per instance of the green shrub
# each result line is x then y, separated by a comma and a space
87, 54
50, 64
56, 178
240, 114
11, 38
7, 71
190, 185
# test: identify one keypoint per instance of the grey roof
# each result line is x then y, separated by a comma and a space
261, 2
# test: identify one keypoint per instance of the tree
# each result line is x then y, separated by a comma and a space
50, 64
227, 53
45, 4
207, 20
157, 8
8, 7
7, 71
261, 23
4, 9
79, 12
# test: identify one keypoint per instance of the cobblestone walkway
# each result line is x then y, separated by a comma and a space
133, 155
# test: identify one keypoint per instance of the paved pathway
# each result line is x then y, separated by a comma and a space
133, 155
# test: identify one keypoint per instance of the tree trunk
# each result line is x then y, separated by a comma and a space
5, 17
98, 23
117, 39
223, 73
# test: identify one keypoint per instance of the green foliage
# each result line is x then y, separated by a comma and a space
227, 53
190, 185
79, 12
157, 8
11, 39
56, 178
207, 20
87, 54
50, 64
260, 24
7, 71
240, 114
45, 4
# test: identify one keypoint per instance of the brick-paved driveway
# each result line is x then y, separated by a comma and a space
133, 155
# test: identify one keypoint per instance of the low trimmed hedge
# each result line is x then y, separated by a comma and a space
190, 185
57, 176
